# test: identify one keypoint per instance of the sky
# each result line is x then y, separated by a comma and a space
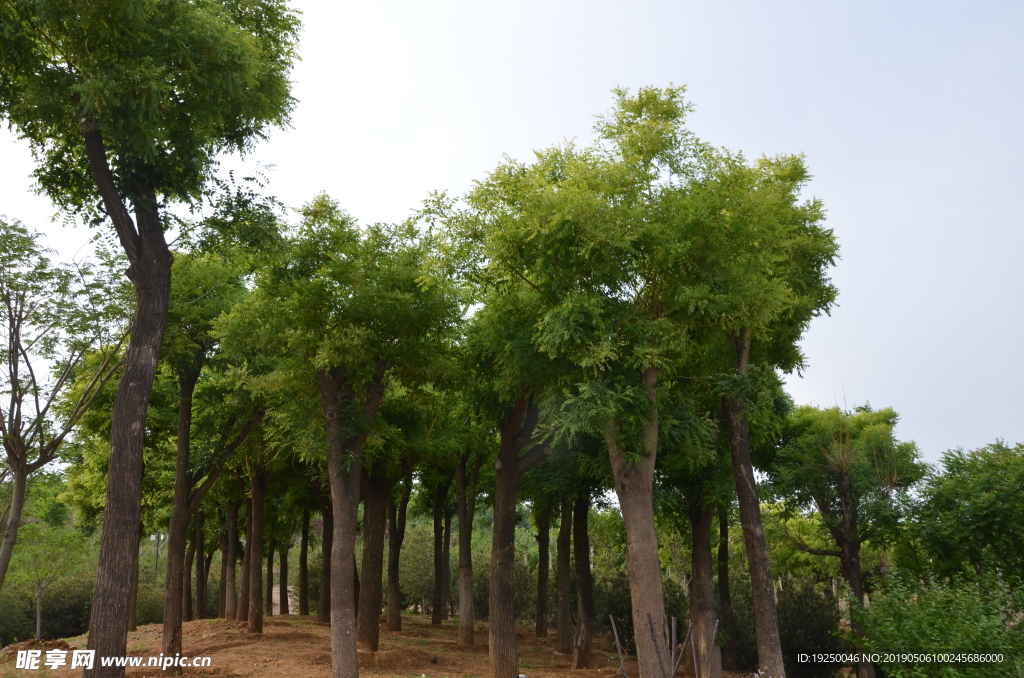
908, 113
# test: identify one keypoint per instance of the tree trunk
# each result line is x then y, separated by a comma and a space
255, 548
396, 535
206, 582
201, 598
465, 506
242, 606
724, 594
634, 485
222, 593
323, 609
766, 624
355, 586
177, 532
515, 435
132, 626
150, 272
375, 518
282, 578
563, 633
440, 499
20, 483
344, 461
304, 566
702, 590
269, 603
446, 567
542, 517
584, 583
186, 583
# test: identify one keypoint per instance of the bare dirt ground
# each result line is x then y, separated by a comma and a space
292, 646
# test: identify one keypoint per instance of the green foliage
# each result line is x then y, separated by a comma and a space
808, 622
958, 616
971, 518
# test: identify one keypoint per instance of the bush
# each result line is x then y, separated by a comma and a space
808, 622
954, 617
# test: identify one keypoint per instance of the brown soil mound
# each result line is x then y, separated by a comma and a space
33, 644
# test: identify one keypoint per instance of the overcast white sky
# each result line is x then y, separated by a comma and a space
909, 113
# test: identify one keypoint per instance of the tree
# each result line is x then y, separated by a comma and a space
52, 318
852, 470
117, 107
51, 552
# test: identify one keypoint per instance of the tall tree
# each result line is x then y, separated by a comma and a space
117, 109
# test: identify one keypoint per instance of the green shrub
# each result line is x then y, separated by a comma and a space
909, 617
808, 623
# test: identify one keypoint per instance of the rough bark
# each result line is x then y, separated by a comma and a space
255, 549
766, 625
396, 535
150, 272
509, 468
702, 591
188, 612
269, 601
242, 607
20, 483
282, 579
563, 631
323, 609
584, 584
345, 459
542, 518
377, 497
466, 474
724, 594
440, 499
201, 598
304, 565
634, 486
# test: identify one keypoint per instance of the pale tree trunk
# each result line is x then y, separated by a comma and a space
724, 593
186, 583
242, 607
542, 518
222, 593
634, 486
584, 584
345, 459
702, 591
282, 578
446, 566
377, 489
563, 631
323, 609
150, 272
206, 581
200, 610
515, 435
396, 535
304, 566
255, 550
465, 506
440, 499
766, 624
20, 483
269, 603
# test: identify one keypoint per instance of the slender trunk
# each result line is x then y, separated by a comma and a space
20, 482
206, 583
446, 567
724, 594
845, 535
584, 583
186, 584
375, 519
255, 547
304, 566
200, 610
150, 271
242, 606
515, 435
344, 461
702, 591
39, 611
440, 499
177, 532
132, 626
766, 624
466, 507
323, 609
542, 517
563, 633
282, 578
396, 532
634, 485
355, 585
222, 593
269, 603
